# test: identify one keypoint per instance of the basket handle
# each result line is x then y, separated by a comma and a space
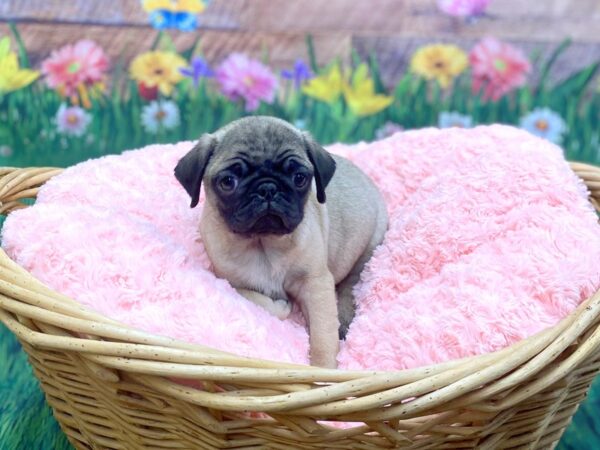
17, 184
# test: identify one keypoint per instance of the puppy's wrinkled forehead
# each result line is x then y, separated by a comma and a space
259, 141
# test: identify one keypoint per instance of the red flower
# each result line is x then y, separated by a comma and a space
148, 93
497, 68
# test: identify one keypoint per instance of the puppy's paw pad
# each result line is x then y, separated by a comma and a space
282, 308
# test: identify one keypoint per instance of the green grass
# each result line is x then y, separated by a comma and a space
26, 421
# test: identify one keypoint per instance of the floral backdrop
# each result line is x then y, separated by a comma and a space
79, 104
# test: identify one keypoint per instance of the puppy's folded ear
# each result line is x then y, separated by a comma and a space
323, 164
190, 169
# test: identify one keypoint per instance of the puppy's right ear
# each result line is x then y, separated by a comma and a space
190, 169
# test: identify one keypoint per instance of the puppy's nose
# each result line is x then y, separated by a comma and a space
267, 190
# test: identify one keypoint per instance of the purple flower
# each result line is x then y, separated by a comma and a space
200, 68
300, 73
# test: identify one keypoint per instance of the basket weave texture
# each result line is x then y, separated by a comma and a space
114, 387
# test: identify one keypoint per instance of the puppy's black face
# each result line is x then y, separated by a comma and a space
258, 173
261, 180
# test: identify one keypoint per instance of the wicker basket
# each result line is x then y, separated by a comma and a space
114, 387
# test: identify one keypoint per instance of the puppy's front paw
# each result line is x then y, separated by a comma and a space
327, 361
282, 308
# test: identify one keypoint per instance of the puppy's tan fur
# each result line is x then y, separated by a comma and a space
328, 249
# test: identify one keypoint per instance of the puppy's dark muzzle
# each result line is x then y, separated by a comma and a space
267, 209
269, 217
267, 190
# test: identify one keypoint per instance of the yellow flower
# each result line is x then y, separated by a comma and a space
189, 6
441, 62
326, 88
157, 69
360, 95
11, 77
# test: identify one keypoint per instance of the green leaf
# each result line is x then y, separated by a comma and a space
312, 57
157, 40
545, 71
188, 52
376, 72
23, 57
356, 60
574, 86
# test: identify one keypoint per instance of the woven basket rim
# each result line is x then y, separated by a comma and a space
112, 346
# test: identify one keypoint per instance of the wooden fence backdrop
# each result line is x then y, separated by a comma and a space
277, 28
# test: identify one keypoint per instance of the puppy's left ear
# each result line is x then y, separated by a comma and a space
190, 169
323, 164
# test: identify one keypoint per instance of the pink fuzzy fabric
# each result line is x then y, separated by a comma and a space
491, 239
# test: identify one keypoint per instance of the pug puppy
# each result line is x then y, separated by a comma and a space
285, 221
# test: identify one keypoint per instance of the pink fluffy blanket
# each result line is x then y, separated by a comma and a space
491, 239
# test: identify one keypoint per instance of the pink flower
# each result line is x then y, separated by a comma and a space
72, 66
497, 68
463, 8
242, 77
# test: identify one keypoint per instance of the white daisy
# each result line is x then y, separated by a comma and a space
545, 123
448, 119
160, 114
72, 120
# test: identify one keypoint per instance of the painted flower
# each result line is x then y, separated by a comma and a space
73, 68
326, 88
243, 78
178, 14
163, 19
463, 8
299, 74
449, 119
387, 129
157, 69
161, 114
147, 93
360, 94
72, 120
545, 123
199, 68
5, 151
300, 124
441, 62
12, 77
191, 6
497, 68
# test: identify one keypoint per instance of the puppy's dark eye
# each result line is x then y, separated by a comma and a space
291, 166
228, 183
237, 169
300, 179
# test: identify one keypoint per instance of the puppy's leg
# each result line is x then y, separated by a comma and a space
319, 306
280, 308
346, 302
